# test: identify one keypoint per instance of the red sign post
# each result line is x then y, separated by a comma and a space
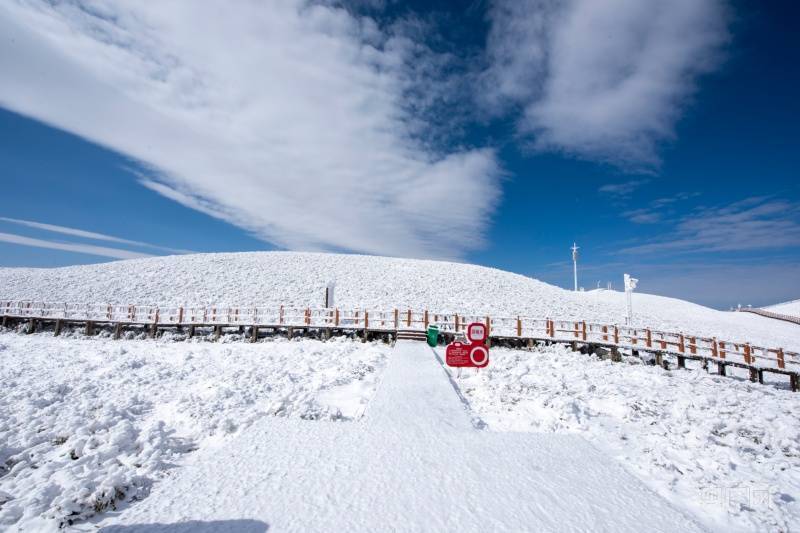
475, 354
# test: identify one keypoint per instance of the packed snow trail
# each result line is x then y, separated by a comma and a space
415, 462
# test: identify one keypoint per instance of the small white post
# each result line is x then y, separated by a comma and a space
329, 295
630, 284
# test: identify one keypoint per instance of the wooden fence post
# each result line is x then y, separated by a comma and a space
154, 327
488, 327
519, 327
605, 333
681, 344
280, 316
749, 358
616, 335
180, 315
693, 345
426, 320
584, 329
721, 350
456, 323
781, 362
409, 319
336, 321
308, 317
366, 320
396, 319
648, 338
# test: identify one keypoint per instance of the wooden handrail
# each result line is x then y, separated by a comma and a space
513, 326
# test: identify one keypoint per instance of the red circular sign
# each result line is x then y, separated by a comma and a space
479, 355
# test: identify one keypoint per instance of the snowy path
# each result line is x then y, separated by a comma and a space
415, 462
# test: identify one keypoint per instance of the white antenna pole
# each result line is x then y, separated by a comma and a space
575, 264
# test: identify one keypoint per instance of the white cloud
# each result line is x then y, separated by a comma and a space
659, 210
756, 223
86, 234
724, 284
623, 189
643, 216
601, 79
101, 251
285, 118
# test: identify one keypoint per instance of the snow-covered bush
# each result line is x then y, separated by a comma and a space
87, 424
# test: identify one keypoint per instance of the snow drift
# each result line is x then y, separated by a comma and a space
725, 450
787, 308
88, 424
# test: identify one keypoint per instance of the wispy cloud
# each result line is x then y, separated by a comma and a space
600, 79
101, 251
623, 189
297, 121
643, 216
658, 210
723, 284
756, 223
87, 234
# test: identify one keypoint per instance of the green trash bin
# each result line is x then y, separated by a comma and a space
433, 336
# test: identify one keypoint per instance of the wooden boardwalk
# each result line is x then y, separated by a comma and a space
607, 340
770, 314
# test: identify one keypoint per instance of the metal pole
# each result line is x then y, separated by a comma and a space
575, 265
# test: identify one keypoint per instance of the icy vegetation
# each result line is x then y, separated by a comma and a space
724, 449
89, 423
289, 278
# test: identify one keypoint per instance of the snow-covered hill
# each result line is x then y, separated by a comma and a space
289, 278
787, 308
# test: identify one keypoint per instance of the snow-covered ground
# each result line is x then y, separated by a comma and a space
85, 423
724, 449
415, 462
289, 278
787, 308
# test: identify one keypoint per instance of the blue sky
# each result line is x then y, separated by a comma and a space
661, 138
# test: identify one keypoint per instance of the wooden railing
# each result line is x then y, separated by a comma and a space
612, 335
770, 314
